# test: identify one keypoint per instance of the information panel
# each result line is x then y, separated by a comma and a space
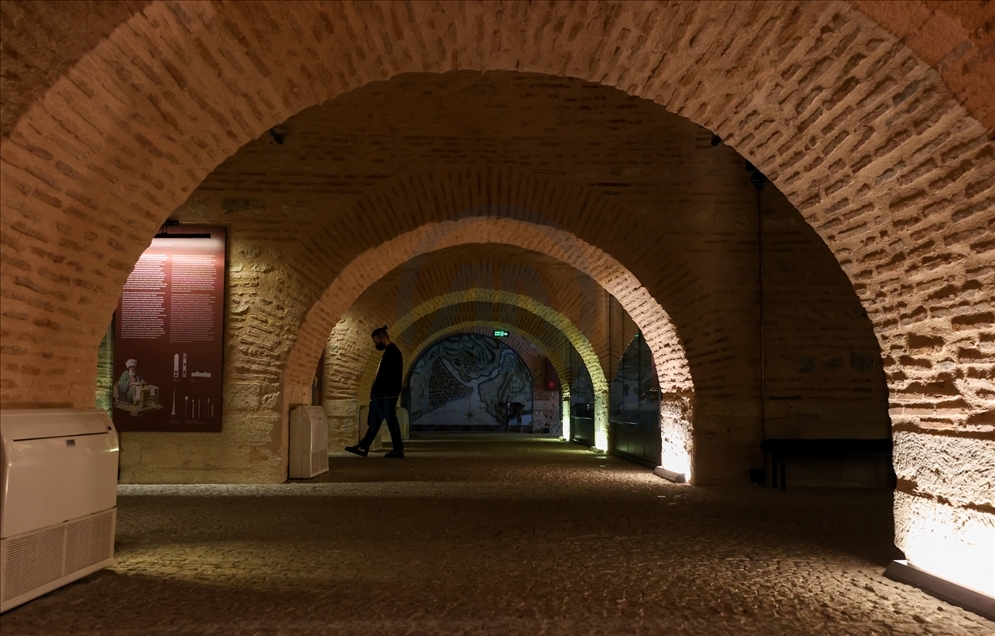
169, 331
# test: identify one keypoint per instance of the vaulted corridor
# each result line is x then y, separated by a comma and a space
471, 535
736, 244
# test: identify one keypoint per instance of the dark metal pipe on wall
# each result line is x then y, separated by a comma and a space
758, 180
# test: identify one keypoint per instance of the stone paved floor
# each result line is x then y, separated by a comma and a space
489, 537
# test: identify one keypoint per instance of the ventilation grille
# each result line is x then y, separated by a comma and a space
88, 541
32, 560
319, 461
38, 558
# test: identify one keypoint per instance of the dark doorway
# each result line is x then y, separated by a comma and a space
634, 406
581, 402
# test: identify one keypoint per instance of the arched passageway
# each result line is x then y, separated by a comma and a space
883, 150
591, 262
523, 315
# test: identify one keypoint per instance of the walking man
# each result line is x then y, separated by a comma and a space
383, 398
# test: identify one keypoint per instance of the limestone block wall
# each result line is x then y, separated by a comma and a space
251, 446
343, 422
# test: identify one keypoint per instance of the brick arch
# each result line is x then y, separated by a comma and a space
949, 37
676, 383
540, 323
555, 319
548, 281
99, 160
342, 406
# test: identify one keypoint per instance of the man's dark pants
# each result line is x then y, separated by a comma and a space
383, 407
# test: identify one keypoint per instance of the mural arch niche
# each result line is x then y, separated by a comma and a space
470, 382
535, 347
472, 273
531, 316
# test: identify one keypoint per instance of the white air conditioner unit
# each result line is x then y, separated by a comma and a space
308, 442
58, 503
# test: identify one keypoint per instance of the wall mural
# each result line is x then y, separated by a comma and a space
466, 382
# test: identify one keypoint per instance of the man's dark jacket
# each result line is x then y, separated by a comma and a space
388, 380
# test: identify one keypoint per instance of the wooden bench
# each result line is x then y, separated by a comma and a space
778, 451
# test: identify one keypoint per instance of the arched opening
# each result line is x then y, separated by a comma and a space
590, 261
675, 268
634, 405
470, 383
445, 310
535, 348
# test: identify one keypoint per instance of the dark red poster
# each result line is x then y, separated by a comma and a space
169, 331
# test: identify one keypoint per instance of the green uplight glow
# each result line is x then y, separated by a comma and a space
500, 333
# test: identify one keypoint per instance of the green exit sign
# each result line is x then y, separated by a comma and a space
500, 333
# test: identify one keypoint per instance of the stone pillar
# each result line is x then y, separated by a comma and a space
675, 433
601, 420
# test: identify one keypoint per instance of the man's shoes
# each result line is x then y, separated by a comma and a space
395, 455
357, 450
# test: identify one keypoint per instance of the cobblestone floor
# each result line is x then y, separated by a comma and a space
490, 537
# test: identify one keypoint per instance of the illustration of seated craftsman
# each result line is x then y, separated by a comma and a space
132, 393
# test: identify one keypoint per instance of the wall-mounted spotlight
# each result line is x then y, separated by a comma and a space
277, 137
716, 140
757, 178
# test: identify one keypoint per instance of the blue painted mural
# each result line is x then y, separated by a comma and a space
470, 382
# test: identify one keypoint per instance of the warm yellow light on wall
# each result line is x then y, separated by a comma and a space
566, 418
674, 458
676, 443
601, 420
951, 543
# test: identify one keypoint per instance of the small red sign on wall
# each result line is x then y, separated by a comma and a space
552, 377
